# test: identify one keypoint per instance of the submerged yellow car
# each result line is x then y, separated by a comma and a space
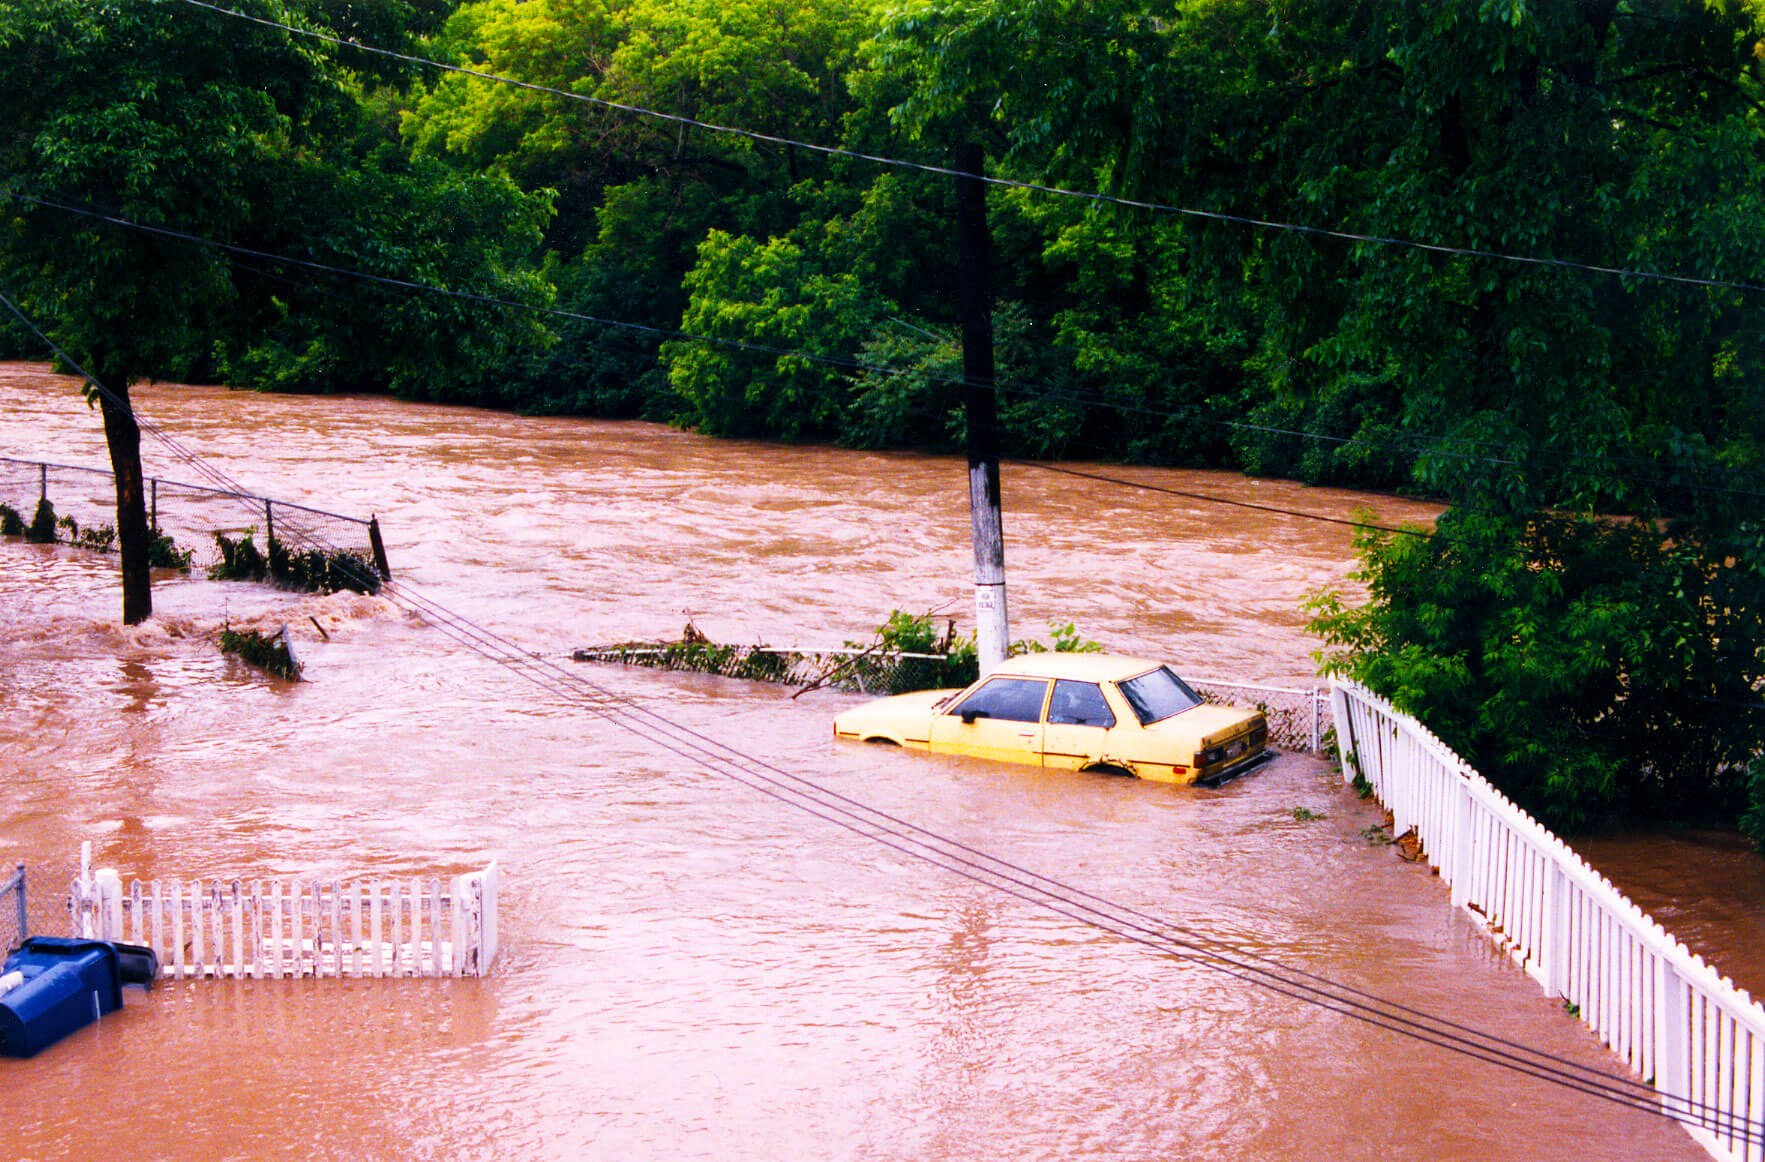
1082, 712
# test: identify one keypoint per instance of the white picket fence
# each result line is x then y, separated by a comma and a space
1668, 1015
249, 929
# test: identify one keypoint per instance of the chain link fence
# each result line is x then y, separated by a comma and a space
13, 924
84, 504
1296, 716
852, 670
35, 901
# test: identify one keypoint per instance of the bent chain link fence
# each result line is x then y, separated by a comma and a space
191, 514
1296, 717
856, 671
34, 901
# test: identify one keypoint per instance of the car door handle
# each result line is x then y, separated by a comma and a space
1026, 734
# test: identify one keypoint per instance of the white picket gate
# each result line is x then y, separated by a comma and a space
1664, 1011
297, 928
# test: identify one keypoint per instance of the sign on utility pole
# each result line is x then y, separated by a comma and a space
981, 408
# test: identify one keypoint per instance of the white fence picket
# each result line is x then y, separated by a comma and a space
333, 928
1660, 1009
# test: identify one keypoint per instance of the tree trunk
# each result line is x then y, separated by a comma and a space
132, 535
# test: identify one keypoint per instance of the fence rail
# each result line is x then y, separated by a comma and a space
1666, 1013
221, 928
192, 511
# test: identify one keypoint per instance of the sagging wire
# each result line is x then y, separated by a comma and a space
1038, 393
1008, 183
1181, 942
944, 171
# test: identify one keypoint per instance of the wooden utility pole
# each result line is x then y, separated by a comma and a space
124, 439
981, 407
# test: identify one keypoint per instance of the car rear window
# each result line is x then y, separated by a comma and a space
1079, 704
1012, 699
1157, 695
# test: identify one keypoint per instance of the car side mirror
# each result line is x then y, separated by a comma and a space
968, 716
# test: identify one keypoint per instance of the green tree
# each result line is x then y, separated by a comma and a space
410, 221
210, 128
163, 117
1592, 669
773, 296
637, 196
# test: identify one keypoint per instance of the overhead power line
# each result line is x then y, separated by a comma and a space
1008, 183
1066, 470
1184, 942
1408, 445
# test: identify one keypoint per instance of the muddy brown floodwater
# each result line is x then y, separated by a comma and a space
691, 970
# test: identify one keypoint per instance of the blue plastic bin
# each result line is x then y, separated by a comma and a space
67, 985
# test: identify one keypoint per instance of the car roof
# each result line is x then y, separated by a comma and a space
1085, 667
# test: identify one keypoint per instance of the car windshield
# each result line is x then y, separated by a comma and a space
1013, 699
1157, 695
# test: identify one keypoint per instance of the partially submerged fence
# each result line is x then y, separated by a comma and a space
320, 928
861, 671
1665, 1012
14, 920
190, 513
1296, 716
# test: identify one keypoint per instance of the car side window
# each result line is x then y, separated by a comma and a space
1011, 699
1079, 704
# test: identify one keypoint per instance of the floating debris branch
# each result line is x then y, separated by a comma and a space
880, 667
270, 653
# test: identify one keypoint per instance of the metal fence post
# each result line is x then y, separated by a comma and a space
18, 890
42, 482
269, 526
154, 519
379, 547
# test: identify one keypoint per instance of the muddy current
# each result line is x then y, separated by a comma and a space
689, 969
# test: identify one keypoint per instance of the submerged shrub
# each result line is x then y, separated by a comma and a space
240, 560
319, 571
42, 530
268, 652
11, 523
163, 553
310, 570
98, 538
954, 661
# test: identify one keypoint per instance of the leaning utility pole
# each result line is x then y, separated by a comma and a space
981, 408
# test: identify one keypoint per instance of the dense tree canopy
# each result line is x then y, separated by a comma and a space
1371, 244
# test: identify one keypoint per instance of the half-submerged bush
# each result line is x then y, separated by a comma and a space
42, 530
11, 523
98, 538
311, 570
268, 652
318, 571
163, 553
240, 560
952, 660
